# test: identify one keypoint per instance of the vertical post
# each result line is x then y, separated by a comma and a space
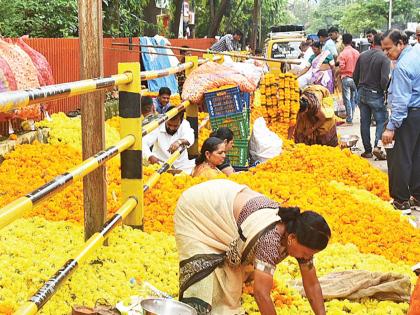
192, 112
131, 159
93, 114
390, 15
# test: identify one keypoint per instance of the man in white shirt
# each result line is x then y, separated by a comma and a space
166, 139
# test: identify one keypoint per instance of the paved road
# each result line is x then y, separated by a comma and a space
382, 165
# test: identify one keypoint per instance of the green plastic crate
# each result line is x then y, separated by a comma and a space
238, 123
238, 155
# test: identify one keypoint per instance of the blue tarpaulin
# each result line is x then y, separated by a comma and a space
158, 62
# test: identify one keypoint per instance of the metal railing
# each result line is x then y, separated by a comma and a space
130, 147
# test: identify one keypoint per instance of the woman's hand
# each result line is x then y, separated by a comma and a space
312, 288
263, 283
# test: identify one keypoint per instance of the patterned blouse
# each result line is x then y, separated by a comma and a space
269, 250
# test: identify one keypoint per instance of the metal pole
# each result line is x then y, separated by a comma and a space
131, 159
208, 51
390, 15
50, 287
17, 208
192, 112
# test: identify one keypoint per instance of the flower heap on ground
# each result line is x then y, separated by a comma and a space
132, 254
342, 187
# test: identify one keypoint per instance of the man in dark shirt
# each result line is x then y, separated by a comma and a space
371, 77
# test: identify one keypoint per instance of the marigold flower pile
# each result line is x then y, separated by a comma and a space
367, 233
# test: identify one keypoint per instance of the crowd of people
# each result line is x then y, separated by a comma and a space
222, 226
384, 82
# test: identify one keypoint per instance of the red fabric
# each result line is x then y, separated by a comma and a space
347, 60
415, 300
25, 75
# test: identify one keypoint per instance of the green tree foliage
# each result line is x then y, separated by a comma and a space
239, 16
49, 18
356, 16
326, 14
58, 18
375, 15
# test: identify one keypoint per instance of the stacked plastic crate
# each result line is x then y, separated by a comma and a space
229, 107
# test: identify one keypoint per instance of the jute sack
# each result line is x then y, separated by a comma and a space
357, 284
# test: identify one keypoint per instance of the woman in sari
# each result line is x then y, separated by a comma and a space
213, 154
319, 70
314, 125
225, 231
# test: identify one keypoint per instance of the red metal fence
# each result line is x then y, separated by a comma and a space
63, 54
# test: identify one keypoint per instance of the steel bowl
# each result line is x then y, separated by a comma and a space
348, 141
166, 307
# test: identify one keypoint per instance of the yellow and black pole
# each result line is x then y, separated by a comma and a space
131, 159
37, 301
164, 168
167, 116
17, 208
192, 112
18, 99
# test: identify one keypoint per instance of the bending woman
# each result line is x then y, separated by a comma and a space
212, 154
224, 231
312, 124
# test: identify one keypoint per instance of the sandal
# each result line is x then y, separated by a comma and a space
102, 307
379, 154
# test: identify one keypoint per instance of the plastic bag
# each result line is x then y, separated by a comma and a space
264, 143
212, 75
45, 76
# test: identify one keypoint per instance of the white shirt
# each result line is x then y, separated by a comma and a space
161, 141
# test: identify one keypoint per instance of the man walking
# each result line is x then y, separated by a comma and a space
347, 62
334, 34
229, 42
371, 77
404, 124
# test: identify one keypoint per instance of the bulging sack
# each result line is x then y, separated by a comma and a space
264, 144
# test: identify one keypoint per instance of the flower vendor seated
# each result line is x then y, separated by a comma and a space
166, 139
162, 100
225, 231
225, 134
312, 124
212, 155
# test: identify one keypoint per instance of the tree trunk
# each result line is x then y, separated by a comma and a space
215, 24
93, 114
255, 20
212, 9
177, 18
